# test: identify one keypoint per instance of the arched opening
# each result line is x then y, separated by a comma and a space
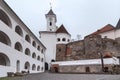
52, 60
34, 55
41, 59
27, 51
4, 60
38, 58
18, 46
33, 67
27, 38
46, 66
34, 43
42, 51
18, 30
87, 69
58, 39
42, 68
4, 38
27, 66
63, 39
18, 66
38, 48
38, 68
5, 18
50, 23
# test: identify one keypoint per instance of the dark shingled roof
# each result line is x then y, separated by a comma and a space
62, 29
106, 28
118, 25
50, 12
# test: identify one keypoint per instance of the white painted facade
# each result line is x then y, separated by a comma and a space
112, 61
20, 50
50, 38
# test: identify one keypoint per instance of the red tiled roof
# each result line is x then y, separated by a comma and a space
62, 29
106, 28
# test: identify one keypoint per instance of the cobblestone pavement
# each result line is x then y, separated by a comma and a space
53, 76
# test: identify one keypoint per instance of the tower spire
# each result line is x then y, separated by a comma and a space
51, 4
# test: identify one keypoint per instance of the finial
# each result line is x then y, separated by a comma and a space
51, 5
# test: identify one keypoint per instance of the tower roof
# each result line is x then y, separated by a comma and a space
62, 29
118, 25
50, 12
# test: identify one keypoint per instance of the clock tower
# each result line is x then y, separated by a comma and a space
51, 21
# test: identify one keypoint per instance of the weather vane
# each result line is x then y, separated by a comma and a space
51, 4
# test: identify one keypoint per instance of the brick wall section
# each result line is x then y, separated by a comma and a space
88, 48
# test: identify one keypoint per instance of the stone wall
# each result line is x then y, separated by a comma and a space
89, 48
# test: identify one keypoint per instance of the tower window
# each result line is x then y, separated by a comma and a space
50, 23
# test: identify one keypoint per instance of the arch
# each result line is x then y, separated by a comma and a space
63, 39
52, 60
46, 66
87, 69
4, 38
41, 59
50, 23
33, 67
4, 17
42, 51
42, 68
18, 66
18, 46
34, 55
27, 51
58, 39
18, 30
38, 68
4, 60
27, 65
38, 48
38, 58
68, 40
34, 43
27, 38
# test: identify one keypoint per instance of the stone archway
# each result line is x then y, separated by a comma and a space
4, 60
46, 66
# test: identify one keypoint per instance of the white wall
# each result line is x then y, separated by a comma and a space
88, 62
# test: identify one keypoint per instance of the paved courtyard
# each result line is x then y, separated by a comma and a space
53, 76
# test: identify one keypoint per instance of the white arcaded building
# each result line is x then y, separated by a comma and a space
52, 36
20, 49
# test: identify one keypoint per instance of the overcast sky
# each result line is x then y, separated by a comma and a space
78, 16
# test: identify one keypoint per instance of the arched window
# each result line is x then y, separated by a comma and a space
27, 51
27, 66
18, 47
18, 30
50, 23
38, 68
4, 60
63, 39
27, 38
34, 43
42, 68
33, 55
4, 38
68, 40
58, 39
41, 59
42, 51
5, 18
38, 58
33, 67
38, 48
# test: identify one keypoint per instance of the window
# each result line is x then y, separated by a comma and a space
68, 40
33, 67
27, 38
34, 44
38, 68
58, 39
18, 47
38, 48
18, 30
50, 23
27, 51
42, 51
27, 65
41, 59
4, 38
34, 55
4, 18
38, 58
63, 39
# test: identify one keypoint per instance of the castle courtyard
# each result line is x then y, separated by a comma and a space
57, 76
